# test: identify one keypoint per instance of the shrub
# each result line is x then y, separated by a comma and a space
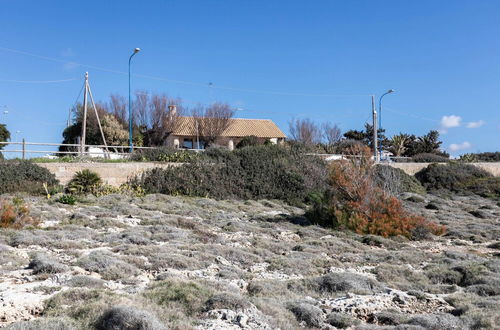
124, 189
348, 282
164, 154
44, 323
341, 321
226, 301
395, 181
43, 264
248, 141
24, 176
127, 318
358, 204
454, 177
67, 199
16, 214
436, 321
429, 158
484, 187
481, 157
190, 296
307, 313
80, 281
110, 267
262, 172
84, 182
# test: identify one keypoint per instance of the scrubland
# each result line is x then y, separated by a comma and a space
364, 248
161, 262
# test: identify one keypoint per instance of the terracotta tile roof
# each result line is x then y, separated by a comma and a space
239, 127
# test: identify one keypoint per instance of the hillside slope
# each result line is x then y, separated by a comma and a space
175, 262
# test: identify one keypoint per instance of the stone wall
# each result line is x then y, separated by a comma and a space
412, 168
117, 173
112, 173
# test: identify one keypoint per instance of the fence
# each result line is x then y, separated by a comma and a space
102, 150
120, 151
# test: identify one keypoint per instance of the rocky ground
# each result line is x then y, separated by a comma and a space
163, 262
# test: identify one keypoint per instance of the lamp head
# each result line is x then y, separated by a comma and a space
391, 91
137, 50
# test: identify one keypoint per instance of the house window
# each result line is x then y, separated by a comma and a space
187, 144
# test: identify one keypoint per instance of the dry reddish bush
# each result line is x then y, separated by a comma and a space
15, 214
360, 205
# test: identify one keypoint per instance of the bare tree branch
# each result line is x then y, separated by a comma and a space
331, 133
212, 121
304, 131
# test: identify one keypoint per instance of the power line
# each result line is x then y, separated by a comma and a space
37, 81
185, 82
74, 105
410, 115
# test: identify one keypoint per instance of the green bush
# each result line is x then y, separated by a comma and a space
261, 172
67, 199
84, 182
455, 177
248, 141
429, 158
481, 157
395, 181
164, 155
24, 176
484, 187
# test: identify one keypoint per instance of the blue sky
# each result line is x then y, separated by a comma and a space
274, 59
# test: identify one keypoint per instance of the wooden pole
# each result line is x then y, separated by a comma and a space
375, 131
84, 123
24, 149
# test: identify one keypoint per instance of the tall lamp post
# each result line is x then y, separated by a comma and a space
130, 101
390, 91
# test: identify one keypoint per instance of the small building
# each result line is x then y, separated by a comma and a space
186, 134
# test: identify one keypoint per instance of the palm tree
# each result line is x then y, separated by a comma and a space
429, 143
398, 144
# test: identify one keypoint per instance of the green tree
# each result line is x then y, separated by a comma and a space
398, 144
428, 143
4, 135
114, 132
366, 136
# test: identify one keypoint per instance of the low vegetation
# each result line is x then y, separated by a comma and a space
481, 157
164, 154
15, 214
261, 172
459, 178
359, 203
179, 262
24, 176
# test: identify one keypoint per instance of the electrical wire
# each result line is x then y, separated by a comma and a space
37, 81
410, 115
185, 82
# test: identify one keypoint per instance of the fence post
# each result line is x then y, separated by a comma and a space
24, 148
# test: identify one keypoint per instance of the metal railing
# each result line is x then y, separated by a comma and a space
106, 151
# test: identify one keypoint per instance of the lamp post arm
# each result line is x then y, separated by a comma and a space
380, 120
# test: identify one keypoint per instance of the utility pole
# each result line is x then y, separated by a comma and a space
375, 131
84, 124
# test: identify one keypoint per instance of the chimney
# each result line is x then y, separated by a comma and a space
172, 109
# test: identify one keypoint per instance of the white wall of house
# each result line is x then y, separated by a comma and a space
190, 142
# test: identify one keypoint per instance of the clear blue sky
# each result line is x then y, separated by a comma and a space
275, 59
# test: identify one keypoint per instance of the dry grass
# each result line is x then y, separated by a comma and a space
175, 260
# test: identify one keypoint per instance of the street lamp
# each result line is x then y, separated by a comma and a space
390, 91
130, 101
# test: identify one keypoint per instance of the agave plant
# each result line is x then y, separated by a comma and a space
84, 181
